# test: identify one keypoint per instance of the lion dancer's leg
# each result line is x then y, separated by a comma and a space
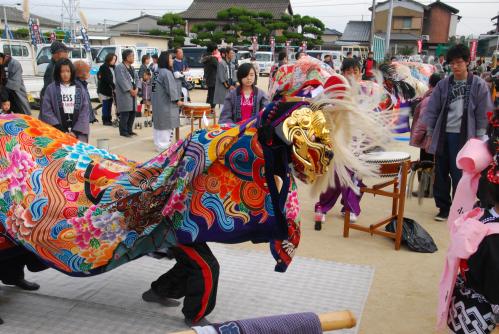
12, 268
195, 277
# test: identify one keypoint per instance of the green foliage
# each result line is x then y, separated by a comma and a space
21, 33
171, 20
406, 51
158, 32
242, 24
175, 24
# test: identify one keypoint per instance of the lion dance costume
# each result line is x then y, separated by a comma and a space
85, 211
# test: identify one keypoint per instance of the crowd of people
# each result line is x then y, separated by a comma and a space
457, 107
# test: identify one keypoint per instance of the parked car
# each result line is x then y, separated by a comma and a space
117, 50
195, 74
43, 56
321, 54
23, 52
265, 61
243, 57
147, 50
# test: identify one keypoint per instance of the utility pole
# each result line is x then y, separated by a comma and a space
389, 28
373, 16
5, 24
71, 7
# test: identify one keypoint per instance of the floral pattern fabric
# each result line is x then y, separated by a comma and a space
85, 211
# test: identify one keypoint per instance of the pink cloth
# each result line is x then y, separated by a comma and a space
466, 234
246, 106
473, 158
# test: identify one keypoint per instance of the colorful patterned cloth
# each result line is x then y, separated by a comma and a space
85, 211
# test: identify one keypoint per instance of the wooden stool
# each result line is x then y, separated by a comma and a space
395, 165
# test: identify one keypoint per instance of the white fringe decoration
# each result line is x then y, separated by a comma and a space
356, 125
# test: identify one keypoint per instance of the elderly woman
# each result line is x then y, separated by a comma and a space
82, 75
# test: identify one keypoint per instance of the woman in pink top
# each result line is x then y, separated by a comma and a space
246, 100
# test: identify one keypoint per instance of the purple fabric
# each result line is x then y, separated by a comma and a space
50, 112
298, 323
479, 104
349, 198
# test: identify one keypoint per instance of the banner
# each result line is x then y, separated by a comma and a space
272, 45
473, 46
34, 32
84, 37
288, 44
254, 44
420, 45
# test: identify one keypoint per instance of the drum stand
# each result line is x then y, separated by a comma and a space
398, 204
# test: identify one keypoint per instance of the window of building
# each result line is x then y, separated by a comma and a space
407, 22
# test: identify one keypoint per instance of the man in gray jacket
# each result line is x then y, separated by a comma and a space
14, 84
126, 93
457, 111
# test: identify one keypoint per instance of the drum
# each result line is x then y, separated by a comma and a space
196, 110
389, 162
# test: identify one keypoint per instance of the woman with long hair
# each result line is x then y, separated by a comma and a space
105, 87
65, 103
165, 103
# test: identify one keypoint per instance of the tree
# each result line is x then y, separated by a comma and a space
21, 33
242, 24
406, 50
175, 24
206, 33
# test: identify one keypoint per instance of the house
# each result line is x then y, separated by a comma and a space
331, 35
16, 21
142, 24
411, 21
440, 24
357, 32
407, 23
202, 11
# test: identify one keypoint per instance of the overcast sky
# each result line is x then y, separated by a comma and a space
334, 13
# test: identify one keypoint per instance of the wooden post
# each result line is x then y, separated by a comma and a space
329, 321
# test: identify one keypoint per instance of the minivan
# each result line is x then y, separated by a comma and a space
265, 61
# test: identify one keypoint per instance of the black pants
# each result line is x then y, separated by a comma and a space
126, 122
446, 172
106, 111
211, 96
195, 277
12, 267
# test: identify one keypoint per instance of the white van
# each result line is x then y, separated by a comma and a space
321, 54
265, 62
43, 56
117, 50
147, 50
21, 51
243, 57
